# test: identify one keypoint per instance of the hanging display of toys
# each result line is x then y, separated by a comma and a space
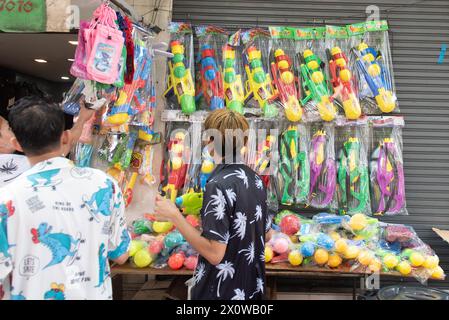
233, 83
180, 93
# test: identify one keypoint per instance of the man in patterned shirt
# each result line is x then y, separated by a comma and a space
235, 220
59, 224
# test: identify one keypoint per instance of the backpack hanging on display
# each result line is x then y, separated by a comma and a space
79, 66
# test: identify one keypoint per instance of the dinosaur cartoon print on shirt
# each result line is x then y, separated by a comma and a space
18, 296
102, 261
55, 293
100, 201
61, 245
44, 179
122, 247
6, 210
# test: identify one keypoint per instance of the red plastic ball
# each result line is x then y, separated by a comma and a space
156, 247
191, 262
290, 225
176, 261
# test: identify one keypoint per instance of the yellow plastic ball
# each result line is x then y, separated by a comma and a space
295, 258
404, 268
431, 262
335, 50
162, 227
321, 256
345, 75
135, 246
390, 261
416, 259
438, 273
352, 252
307, 53
374, 70
341, 246
375, 265
287, 77
358, 222
334, 261
176, 163
365, 257
143, 258
207, 167
335, 236
268, 254
317, 77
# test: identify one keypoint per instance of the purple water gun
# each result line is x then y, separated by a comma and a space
324, 169
387, 163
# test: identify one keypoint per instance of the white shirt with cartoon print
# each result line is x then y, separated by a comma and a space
59, 225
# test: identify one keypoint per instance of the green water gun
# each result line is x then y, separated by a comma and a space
191, 203
293, 162
350, 174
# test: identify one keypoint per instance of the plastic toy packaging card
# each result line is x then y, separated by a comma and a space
316, 93
323, 169
341, 71
210, 95
370, 48
180, 93
386, 166
284, 67
258, 84
353, 180
294, 169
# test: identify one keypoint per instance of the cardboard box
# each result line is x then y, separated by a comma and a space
444, 234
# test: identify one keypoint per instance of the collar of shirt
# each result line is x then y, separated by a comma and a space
51, 164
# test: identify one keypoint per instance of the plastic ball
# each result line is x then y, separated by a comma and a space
283, 64
352, 252
135, 246
390, 261
308, 249
358, 222
404, 268
365, 257
334, 261
162, 227
287, 77
416, 259
176, 261
374, 70
179, 72
280, 246
142, 259
438, 273
290, 225
431, 262
156, 247
407, 253
317, 77
268, 254
321, 256
375, 265
334, 235
307, 53
341, 246
173, 239
191, 262
325, 241
207, 167
295, 258
279, 52
313, 65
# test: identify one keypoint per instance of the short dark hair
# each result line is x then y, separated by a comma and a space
37, 125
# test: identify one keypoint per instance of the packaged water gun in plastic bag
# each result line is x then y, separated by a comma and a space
211, 41
256, 60
353, 178
386, 166
232, 80
180, 84
283, 72
323, 171
294, 169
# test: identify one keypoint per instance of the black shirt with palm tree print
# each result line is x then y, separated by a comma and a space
234, 213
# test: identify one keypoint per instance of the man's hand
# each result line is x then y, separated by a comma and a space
85, 113
165, 210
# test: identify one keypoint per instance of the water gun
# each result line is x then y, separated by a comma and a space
342, 82
180, 80
259, 84
211, 78
315, 87
176, 167
369, 63
129, 189
233, 84
207, 167
146, 169
286, 85
321, 168
263, 157
388, 186
191, 203
293, 161
353, 178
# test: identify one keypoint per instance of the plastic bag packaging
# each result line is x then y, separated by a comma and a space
294, 169
71, 100
79, 66
363, 228
316, 94
180, 93
211, 42
351, 146
278, 248
323, 171
258, 84
340, 71
386, 166
284, 66
371, 51
233, 72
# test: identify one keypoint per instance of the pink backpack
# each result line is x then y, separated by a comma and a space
79, 66
104, 45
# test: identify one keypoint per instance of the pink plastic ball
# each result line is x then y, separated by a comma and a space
191, 262
156, 247
280, 246
176, 261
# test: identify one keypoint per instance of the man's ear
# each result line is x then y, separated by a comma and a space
66, 138
16, 145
